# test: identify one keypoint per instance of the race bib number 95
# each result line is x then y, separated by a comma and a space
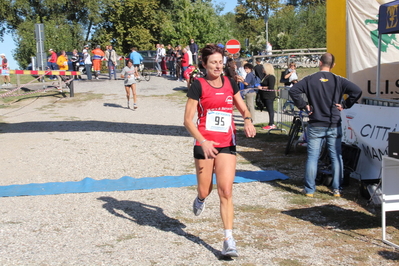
218, 121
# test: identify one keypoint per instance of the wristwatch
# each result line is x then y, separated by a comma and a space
250, 118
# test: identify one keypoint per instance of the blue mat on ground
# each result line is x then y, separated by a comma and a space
125, 183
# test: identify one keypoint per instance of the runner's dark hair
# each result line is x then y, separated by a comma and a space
209, 50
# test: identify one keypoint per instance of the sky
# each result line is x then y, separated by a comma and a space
8, 45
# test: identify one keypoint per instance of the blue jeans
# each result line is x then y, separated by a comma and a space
111, 70
333, 136
53, 66
182, 73
88, 71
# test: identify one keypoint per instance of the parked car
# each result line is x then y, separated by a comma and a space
148, 58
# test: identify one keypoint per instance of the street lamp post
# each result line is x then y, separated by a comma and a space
267, 30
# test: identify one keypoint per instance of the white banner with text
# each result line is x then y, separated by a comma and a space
367, 127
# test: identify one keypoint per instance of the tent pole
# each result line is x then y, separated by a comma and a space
377, 89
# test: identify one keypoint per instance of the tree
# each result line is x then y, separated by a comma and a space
67, 23
197, 20
129, 23
260, 8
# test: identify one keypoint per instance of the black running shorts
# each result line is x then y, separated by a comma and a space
199, 153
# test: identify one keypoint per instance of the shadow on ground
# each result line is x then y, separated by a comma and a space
334, 216
149, 215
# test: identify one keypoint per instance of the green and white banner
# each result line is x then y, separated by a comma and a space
362, 50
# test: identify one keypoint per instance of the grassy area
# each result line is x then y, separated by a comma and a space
23, 79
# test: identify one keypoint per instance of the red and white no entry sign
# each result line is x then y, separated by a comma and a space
233, 46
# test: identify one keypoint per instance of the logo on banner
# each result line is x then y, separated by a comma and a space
392, 17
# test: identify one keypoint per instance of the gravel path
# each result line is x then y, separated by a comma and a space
55, 139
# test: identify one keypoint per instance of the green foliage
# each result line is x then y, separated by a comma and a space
197, 20
289, 27
69, 24
129, 23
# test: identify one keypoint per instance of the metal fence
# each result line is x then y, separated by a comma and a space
380, 102
305, 57
286, 109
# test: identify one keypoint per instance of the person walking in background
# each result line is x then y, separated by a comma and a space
87, 62
267, 93
163, 61
269, 48
249, 92
62, 61
130, 83
137, 59
179, 55
190, 56
158, 60
53, 62
324, 91
110, 56
184, 63
98, 56
171, 58
194, 50
75, 59
214, 98
5, 72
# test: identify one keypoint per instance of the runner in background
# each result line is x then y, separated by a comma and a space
130, 83
5, 71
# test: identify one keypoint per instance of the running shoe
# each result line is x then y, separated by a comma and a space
128, 105
198, 206
269, 127
336, 193
135, 106
229, 248
310, 195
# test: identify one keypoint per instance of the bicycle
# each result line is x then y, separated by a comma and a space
298, 126
144, 73
298, 134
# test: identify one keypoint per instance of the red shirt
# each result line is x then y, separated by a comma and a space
53, 58
221, 100
4, 63
185, 60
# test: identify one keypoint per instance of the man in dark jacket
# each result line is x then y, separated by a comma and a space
324, 91
258, 68
194, 51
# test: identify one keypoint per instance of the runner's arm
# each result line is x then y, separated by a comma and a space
207, 145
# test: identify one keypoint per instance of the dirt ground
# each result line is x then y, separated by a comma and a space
53, 138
